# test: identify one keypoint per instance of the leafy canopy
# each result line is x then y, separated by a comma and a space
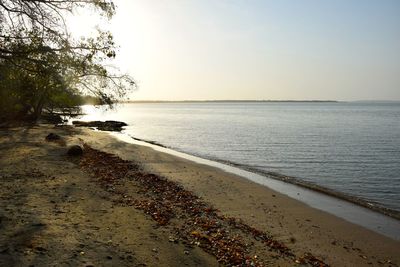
42, 66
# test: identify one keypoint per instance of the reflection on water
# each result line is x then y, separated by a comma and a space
350, 147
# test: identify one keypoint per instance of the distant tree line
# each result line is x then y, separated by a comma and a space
44, 69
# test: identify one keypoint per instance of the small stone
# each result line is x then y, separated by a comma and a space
52, 137
41, 249
186, 252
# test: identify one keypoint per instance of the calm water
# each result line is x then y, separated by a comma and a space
349, 147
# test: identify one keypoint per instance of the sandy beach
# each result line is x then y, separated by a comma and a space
122, 204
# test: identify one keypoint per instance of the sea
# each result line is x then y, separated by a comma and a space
348, 147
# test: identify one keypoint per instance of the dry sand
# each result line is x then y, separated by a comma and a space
52, 213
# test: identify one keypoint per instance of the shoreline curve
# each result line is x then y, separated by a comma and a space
352, 209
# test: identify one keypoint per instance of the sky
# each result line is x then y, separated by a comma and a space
258, 50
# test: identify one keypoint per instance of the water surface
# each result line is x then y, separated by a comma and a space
352, 148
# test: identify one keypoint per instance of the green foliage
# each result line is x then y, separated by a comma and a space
24, 95
43, 68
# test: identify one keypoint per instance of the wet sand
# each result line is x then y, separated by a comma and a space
54, 212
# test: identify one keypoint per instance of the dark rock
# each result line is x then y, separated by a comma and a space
84, 123
41, 249
53, 137
101, 125
75, 150
117, 123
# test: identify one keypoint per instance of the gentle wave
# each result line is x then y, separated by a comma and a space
352, 148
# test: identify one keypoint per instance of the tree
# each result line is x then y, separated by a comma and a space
43, 67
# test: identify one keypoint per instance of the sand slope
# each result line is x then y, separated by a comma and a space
302, 228
52, 214
55, 214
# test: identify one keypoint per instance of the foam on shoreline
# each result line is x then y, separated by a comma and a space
349, 208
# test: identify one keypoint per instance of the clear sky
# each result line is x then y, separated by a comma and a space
248, 49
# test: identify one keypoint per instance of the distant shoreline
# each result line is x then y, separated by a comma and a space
231, 101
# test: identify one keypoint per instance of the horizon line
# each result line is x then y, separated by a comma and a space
259, 101
223, 100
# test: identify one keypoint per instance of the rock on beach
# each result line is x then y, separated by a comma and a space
101, 125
